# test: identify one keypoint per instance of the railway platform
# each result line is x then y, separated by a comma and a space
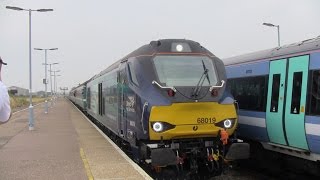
64, 145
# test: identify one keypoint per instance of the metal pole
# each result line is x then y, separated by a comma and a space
31, 123
57, 75
45, 82
50, 80
278, 35
54, 83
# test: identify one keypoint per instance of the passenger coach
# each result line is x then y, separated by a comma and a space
78, 95
278, 93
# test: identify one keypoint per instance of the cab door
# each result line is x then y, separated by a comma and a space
122, 117
285, 112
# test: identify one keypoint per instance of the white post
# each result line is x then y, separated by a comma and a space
45, 93
31, 119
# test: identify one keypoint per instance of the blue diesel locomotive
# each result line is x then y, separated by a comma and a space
167, 102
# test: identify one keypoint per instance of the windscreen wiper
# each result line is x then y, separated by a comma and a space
196, 90
205, 68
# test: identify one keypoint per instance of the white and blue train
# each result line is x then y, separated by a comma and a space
278, 94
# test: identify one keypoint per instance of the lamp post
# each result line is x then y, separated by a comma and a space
278, 27
31, 119
57, 75
45, 80
54, 75
51, 75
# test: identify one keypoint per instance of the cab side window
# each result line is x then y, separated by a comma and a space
132, 74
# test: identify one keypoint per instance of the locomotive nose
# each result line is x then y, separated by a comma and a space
190, 120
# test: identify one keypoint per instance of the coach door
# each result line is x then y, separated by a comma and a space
275, 102
287, 100
121, 96
296, 101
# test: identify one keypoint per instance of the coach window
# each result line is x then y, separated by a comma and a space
100, 98
89, 98
275, 93
132, 74
250, 92
314, 93
296, 92
83, 93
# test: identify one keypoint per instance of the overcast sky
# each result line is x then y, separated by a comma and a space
92, 34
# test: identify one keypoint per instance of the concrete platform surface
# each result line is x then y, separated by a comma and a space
64, 145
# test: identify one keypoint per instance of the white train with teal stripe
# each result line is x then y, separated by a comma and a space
278, 94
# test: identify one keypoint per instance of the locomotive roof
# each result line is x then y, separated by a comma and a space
295, 48
79, 85
162, 45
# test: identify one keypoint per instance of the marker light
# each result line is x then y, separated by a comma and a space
214, 92
171, 93
157, 127
179, 47
227, 123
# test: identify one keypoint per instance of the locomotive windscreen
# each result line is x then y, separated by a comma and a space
184, 70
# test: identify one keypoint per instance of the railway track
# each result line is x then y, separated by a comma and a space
265, 164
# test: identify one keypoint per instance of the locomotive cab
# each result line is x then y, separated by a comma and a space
166, 103
185, 110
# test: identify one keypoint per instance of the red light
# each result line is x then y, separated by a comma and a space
171, 93
214, 92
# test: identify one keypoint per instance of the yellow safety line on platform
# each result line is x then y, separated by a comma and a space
86, 165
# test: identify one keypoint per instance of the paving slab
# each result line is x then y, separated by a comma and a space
51, 151
105, 160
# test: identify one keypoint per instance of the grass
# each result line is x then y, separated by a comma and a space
18, 102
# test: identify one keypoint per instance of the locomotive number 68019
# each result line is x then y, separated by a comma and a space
206, 120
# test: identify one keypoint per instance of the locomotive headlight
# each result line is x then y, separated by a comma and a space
157, 127
226, 124
180, 47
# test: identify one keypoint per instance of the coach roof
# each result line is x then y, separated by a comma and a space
295, 48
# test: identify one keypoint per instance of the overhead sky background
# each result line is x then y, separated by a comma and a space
91, 35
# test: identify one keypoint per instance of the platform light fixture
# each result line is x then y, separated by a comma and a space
31, 118
45, 79
51, 64
278, 27
54, 76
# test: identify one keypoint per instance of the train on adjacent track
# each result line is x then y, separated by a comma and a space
166, 102
278, 94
